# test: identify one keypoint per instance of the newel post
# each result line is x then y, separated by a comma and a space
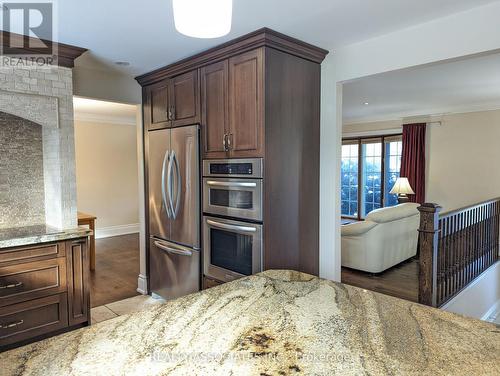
428, 240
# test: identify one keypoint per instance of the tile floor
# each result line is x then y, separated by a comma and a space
122, 307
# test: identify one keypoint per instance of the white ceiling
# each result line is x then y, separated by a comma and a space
143, 33
472, 84
105, 112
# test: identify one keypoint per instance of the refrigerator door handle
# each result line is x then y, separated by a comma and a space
176, 251
169, 185
179, 186
163, 189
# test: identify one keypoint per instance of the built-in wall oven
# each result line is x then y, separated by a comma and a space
233, 188
232, 249
232, 221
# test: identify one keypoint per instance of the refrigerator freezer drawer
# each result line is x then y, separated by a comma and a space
174, 270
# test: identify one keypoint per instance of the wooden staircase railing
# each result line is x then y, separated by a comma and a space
455, 248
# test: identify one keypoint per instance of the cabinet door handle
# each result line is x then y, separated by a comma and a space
224, 142
11, 285
12, 324
229, 141
172, 112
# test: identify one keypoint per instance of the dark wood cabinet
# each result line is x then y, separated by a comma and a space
246, 83
44, 289
31, 280
157, 101
232, 107
33, 318
210, 282
77, 257
214, 109
172, 102
260, 98
184, 99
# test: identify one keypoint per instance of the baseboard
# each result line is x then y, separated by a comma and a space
142, 284
107, 232
494, 308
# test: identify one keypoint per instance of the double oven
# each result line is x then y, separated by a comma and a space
232, 218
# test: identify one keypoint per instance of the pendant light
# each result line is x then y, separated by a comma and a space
203, 18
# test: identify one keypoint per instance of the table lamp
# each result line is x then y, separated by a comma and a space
402, 188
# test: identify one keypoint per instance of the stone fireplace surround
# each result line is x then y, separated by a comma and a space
44, 95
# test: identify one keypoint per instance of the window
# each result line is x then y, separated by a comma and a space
350, 179
375, 164
371, 176
393, 148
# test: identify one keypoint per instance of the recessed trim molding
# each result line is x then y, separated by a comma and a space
106, 119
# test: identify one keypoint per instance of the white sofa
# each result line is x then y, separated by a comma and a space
387, 237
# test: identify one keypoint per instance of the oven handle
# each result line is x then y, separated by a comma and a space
182, 252
231, 184
225, 226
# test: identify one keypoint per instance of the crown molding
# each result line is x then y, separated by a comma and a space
65, 56
260, 38
381, 132
400, 117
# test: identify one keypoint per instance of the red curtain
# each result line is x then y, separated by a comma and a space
413, 159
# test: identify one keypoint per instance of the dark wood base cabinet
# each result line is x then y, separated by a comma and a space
44, 290
210, 282
259, 98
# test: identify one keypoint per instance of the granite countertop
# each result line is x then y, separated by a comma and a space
273, 323
29, 235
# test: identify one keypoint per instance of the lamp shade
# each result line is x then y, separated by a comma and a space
203, 18
402, 187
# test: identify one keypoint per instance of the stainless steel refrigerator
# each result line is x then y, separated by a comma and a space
174, 211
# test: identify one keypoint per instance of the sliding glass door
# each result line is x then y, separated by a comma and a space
370, 167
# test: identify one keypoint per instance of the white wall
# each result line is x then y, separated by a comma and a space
107, 175
480, 298
470, 32
466, 33
462, 160
330, 153
106, 85
142, 279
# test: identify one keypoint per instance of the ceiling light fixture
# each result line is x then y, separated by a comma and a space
203, 18
366, 103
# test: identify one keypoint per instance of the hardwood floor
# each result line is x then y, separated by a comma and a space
400, 281
117, 269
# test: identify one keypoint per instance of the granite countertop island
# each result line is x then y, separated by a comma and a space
273, 323
30, 235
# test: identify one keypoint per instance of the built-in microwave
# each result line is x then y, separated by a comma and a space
231, 249
233, 188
